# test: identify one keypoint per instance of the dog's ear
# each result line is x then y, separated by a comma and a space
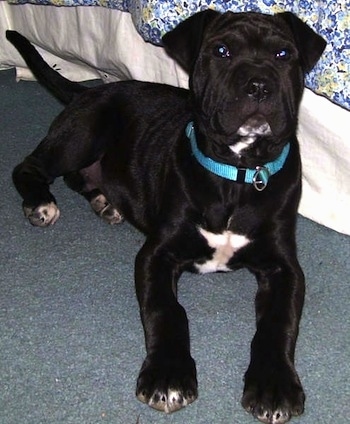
310, 44
184, 41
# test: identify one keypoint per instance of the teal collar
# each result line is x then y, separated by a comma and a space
259, 176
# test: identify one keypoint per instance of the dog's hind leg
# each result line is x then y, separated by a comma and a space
83, 182
32, 182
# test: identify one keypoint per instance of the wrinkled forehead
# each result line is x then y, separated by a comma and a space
248, 27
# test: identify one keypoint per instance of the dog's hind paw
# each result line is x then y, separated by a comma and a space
43, 215
105, 210
168, 387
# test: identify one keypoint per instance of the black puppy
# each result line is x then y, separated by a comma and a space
210, 175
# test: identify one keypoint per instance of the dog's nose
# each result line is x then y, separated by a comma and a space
257, 89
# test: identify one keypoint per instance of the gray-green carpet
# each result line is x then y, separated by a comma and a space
71, 343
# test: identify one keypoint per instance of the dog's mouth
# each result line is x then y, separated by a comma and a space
252, 129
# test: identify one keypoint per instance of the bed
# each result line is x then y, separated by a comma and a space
121, 39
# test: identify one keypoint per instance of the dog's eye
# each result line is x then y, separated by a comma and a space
283, 54
221, 50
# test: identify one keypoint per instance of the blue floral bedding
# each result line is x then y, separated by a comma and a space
330, 18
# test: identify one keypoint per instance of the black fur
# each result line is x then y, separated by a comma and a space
123, 146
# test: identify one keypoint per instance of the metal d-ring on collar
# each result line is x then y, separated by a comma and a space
259, 176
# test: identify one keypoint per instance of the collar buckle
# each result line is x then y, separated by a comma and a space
261, 178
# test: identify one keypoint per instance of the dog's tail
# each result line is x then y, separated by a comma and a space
63, 89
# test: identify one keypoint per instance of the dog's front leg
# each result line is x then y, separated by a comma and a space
167, 379
272, 391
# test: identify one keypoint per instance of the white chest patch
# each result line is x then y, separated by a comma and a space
226, 245
249, 132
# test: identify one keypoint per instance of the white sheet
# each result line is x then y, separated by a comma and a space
324, 130
92, 42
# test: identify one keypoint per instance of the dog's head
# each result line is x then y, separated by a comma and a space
246, 77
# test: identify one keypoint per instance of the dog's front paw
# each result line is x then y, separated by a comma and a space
273, 396
43, 215
167, 384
